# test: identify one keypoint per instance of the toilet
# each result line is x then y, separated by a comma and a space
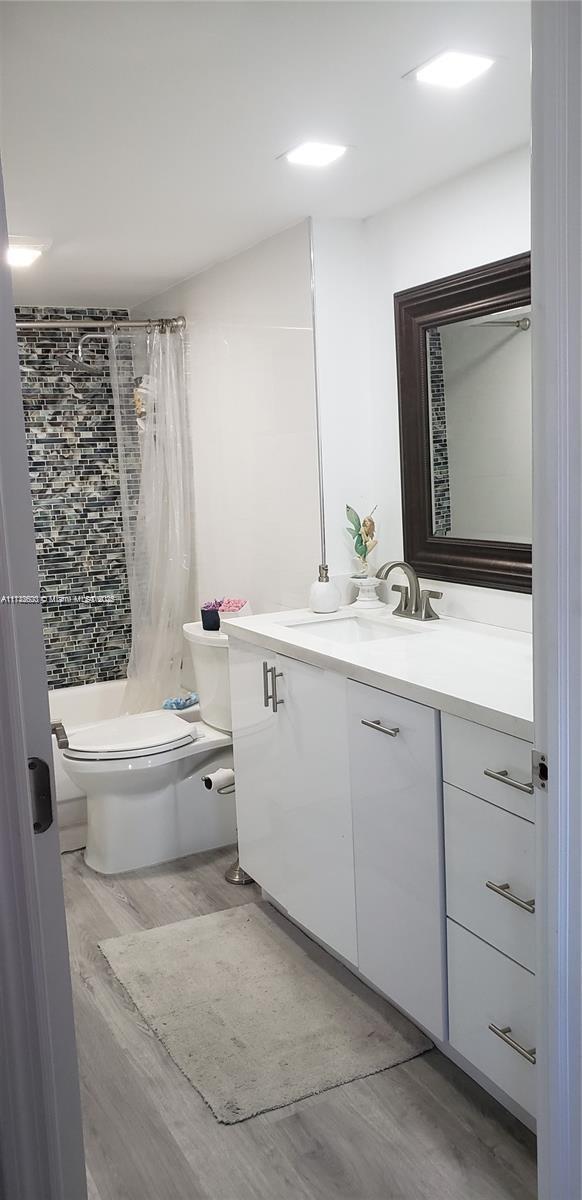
209, 655
130, 769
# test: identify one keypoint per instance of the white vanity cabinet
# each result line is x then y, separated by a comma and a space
293, 791
398, 851
491, 886
403, 839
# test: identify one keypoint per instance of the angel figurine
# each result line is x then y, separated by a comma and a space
363, 534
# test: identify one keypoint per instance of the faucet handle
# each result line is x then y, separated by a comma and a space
402, 606
427, 612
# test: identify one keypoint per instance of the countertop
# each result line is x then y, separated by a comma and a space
480, 672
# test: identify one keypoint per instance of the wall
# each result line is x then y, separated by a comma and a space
72, 452
251, 385
352, 460
251, 382
477, 218
488, 415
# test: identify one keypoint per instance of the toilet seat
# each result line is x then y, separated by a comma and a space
138, 736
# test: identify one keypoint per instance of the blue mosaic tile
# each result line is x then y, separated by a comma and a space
440, 451
74, 475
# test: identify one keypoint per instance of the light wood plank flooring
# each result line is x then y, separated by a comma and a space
421, 1131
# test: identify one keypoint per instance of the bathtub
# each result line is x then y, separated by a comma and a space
213, 816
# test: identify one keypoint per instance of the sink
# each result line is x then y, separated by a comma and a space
350, 630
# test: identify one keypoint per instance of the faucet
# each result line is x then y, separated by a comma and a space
414, 602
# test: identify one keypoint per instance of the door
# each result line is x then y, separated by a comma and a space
398, 851
41, 1148
557, 581
316, 814
256, 763
292, 789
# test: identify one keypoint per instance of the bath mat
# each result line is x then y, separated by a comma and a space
254, 1013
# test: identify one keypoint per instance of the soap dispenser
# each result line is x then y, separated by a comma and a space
324, 596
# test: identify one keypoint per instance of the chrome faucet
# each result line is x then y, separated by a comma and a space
414, 602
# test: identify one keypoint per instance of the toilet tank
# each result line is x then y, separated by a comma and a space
209, 654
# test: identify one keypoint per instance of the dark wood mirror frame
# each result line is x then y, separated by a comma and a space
488, 289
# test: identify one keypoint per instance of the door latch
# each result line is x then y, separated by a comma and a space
40, 795
539, 769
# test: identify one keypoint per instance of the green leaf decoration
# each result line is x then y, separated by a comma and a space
352, 516
360, 546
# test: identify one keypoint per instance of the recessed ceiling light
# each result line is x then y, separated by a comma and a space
453, 69
315, 154
22, 252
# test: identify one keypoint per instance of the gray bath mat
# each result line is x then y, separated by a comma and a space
253, 1013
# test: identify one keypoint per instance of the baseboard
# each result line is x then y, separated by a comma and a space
73, 837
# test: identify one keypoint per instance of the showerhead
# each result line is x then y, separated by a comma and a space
78, 364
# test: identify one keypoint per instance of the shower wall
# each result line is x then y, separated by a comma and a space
72, 453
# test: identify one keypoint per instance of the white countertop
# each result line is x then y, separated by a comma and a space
480, 672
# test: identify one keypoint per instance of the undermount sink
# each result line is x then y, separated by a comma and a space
351, 629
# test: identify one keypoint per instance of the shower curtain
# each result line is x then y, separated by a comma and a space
156, 482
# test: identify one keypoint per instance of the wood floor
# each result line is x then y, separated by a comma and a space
421, 1131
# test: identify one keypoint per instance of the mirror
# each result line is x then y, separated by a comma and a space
464, 381
479, 388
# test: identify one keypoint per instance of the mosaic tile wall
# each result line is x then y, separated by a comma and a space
72, 452
440, 451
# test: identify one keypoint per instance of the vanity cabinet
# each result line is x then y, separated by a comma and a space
292, 789
402, 839
398, 853
490, 858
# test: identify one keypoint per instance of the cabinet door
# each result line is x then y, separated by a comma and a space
316, 853
259, 779
398, 849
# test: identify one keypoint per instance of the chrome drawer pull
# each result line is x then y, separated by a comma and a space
504, 889
505, 777
529, 1055
382, 728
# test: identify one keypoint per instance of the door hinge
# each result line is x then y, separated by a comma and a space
539, 769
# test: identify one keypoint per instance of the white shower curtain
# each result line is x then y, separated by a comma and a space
155, 457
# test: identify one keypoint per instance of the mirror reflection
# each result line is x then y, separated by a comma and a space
479, 387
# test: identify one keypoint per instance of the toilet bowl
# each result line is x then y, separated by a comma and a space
130, 769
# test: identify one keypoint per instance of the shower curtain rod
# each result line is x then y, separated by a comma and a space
172, 323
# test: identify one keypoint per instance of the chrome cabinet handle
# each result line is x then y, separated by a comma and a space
503, 1033
266, 695
275, 675
505, 777
382, 728
271, 697
504, 890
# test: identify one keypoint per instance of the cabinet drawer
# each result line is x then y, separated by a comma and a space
485, 988
470, 750
485, 844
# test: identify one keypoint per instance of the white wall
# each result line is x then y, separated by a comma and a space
478, 218
251, 379
487, 376
252, 385
342, 327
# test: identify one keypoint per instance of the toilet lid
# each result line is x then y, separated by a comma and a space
139, 734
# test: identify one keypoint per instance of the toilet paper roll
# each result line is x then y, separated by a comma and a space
217, 781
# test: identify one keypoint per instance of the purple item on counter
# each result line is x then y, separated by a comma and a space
210, 618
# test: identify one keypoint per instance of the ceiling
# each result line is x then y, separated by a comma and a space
141, 139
